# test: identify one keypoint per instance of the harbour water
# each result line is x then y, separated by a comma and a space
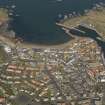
34, 20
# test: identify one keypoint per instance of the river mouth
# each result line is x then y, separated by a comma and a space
34, 20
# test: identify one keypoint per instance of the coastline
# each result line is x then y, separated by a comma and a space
14, 42
11, 43
17, 42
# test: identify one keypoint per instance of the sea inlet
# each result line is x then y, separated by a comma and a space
34, 20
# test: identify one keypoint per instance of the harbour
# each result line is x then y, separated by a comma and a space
35, 22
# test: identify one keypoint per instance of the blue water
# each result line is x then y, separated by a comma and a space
37, 18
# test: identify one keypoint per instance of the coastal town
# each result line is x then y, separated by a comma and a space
52, 76
70, 75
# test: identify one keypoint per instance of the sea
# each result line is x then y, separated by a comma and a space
35, 20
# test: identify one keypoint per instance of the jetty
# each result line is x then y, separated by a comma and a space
83, 26
64, 27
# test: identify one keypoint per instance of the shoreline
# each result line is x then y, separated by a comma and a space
12, 43
16, 42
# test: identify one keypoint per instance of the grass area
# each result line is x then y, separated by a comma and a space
3, 55
4, 15
94, 17
1, 93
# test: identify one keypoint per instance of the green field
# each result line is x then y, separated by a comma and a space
4, 15
3, 55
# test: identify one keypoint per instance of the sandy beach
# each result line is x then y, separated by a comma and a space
11, 43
